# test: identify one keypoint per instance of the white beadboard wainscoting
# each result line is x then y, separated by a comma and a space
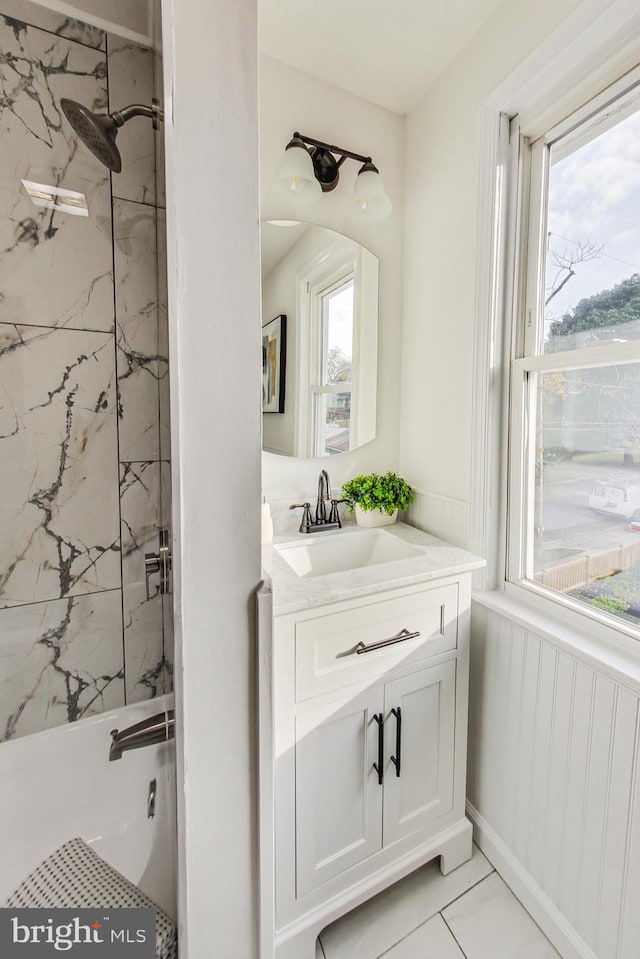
552, 780
441, 516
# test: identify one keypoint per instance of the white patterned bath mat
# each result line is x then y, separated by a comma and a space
74, 876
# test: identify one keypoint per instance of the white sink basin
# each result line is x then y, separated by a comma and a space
339, 552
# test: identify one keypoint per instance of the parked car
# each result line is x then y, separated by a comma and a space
618, 496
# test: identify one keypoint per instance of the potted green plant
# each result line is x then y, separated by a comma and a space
376, 499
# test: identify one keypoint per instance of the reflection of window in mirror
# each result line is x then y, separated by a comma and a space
331, 299
333, 318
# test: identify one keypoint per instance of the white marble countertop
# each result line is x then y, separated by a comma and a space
292, 593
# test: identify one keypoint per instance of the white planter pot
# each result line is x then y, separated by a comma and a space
374, 517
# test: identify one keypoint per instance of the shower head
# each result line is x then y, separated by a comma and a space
98, 131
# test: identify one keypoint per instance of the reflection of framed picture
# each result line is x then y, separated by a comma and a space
274, 355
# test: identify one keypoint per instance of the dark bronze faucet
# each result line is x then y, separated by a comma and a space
324, 496
322, 520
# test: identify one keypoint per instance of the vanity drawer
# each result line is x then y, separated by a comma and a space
329, 649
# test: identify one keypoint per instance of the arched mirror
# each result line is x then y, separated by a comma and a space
319, 340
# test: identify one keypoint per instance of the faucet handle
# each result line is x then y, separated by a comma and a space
334, 516
306, 522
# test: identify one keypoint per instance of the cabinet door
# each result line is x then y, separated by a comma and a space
423, 790
338, 798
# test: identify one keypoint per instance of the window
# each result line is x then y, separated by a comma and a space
331, 386
574, 495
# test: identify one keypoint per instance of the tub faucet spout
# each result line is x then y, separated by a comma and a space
156, 729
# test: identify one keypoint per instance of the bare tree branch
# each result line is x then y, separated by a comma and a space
566, 260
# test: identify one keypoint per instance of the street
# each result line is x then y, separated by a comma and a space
569, 526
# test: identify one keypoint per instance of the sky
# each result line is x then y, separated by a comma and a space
594, 197
341, 320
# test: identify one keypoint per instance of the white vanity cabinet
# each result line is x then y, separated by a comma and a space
346, 809
368, 738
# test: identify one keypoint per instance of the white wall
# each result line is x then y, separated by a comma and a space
553, 724
291, 100
441, 216
211, 135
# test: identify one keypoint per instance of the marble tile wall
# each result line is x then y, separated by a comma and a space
84, 431
131, 80
142, 368
136, 291
60, 661
29, 12
58, 456
163, 342
55, 269
141, 522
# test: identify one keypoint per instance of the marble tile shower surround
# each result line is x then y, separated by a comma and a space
55, 269
148, 673
131, 81
138, 359
60, 661
83, 369
163, 337
26, 11
58, 449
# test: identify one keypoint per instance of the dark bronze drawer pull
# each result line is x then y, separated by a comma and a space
400, 637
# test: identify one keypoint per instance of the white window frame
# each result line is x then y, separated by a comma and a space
330, 270
523, 336
319, 352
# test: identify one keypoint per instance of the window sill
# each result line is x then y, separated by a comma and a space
599, 646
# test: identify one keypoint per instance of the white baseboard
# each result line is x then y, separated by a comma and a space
554, 925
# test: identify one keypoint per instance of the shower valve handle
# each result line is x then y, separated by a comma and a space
159, 562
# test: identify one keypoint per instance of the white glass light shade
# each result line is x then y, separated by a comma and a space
369, 197
296, 178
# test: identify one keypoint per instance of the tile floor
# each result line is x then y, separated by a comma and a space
469, 914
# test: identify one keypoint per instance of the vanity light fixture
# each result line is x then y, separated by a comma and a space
311, 167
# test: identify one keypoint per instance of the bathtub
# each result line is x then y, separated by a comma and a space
59, 784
